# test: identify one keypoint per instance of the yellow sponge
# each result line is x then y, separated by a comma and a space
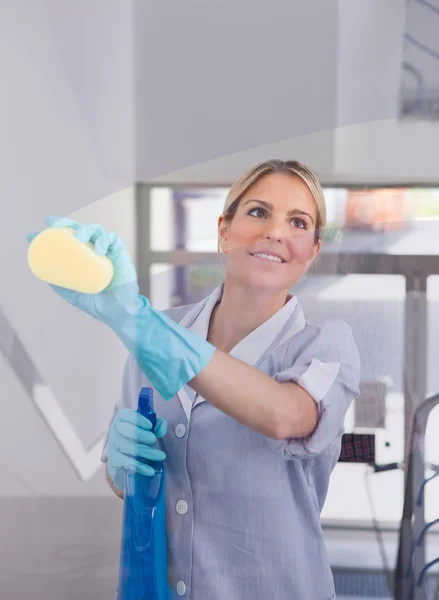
57, 257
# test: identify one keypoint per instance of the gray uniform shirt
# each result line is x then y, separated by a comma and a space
243, 510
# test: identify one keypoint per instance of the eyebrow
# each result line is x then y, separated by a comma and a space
295, 211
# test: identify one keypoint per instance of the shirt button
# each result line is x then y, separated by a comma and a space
180, 430
181, 588
181, 507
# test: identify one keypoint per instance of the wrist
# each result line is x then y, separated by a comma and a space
128, 308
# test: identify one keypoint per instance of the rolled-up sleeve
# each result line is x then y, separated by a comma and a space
328, 368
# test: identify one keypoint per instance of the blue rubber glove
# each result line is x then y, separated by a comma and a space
170, 355
123, 290
131, 437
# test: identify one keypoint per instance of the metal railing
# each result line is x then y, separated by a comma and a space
411, 568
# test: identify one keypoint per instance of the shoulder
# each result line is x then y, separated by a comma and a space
334, 332
331, 341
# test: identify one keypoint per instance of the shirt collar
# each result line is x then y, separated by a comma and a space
253, 346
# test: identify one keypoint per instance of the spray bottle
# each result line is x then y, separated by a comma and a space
143, 556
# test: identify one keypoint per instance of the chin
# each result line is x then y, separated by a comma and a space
264, 282
264, 278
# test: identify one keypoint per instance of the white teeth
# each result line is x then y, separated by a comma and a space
269, 257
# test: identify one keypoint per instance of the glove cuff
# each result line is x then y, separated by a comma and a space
169, 354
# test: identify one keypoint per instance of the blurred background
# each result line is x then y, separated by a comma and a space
139, 117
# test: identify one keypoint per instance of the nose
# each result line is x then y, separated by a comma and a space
275, 232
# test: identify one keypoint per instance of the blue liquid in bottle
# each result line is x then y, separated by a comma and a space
143, 572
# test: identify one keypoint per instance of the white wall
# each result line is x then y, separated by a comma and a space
382, 152
377, 147
390, 151
316, 149
370, 38
217, 78
365, 142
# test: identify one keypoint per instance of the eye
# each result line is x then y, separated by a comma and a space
301, 223
258, 209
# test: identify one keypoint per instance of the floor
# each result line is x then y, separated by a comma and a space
67, 549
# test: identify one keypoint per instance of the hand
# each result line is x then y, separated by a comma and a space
130, 438
169, 354
123, 292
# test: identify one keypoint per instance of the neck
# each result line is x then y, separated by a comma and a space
241, 311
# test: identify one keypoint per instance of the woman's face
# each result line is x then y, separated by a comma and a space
269, 243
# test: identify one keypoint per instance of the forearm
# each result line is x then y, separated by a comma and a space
255, 399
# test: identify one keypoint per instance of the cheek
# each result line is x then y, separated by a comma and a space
302, 246
242, 233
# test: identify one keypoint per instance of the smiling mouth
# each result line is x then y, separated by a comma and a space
269, 257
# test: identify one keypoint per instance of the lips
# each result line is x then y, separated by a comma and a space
269, 253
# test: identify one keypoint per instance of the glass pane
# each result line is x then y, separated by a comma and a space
381, 220
380, 209
373, 305
431, 436
162, 219
431, 490
202, 210
431, 433
335, 199
162, 279
432, 335
202, 278
424, 203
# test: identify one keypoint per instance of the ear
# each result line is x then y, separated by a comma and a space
222, 232
317, 248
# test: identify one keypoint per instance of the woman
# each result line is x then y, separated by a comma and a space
254, 432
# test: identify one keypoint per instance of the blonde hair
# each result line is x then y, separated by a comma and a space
291, 167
